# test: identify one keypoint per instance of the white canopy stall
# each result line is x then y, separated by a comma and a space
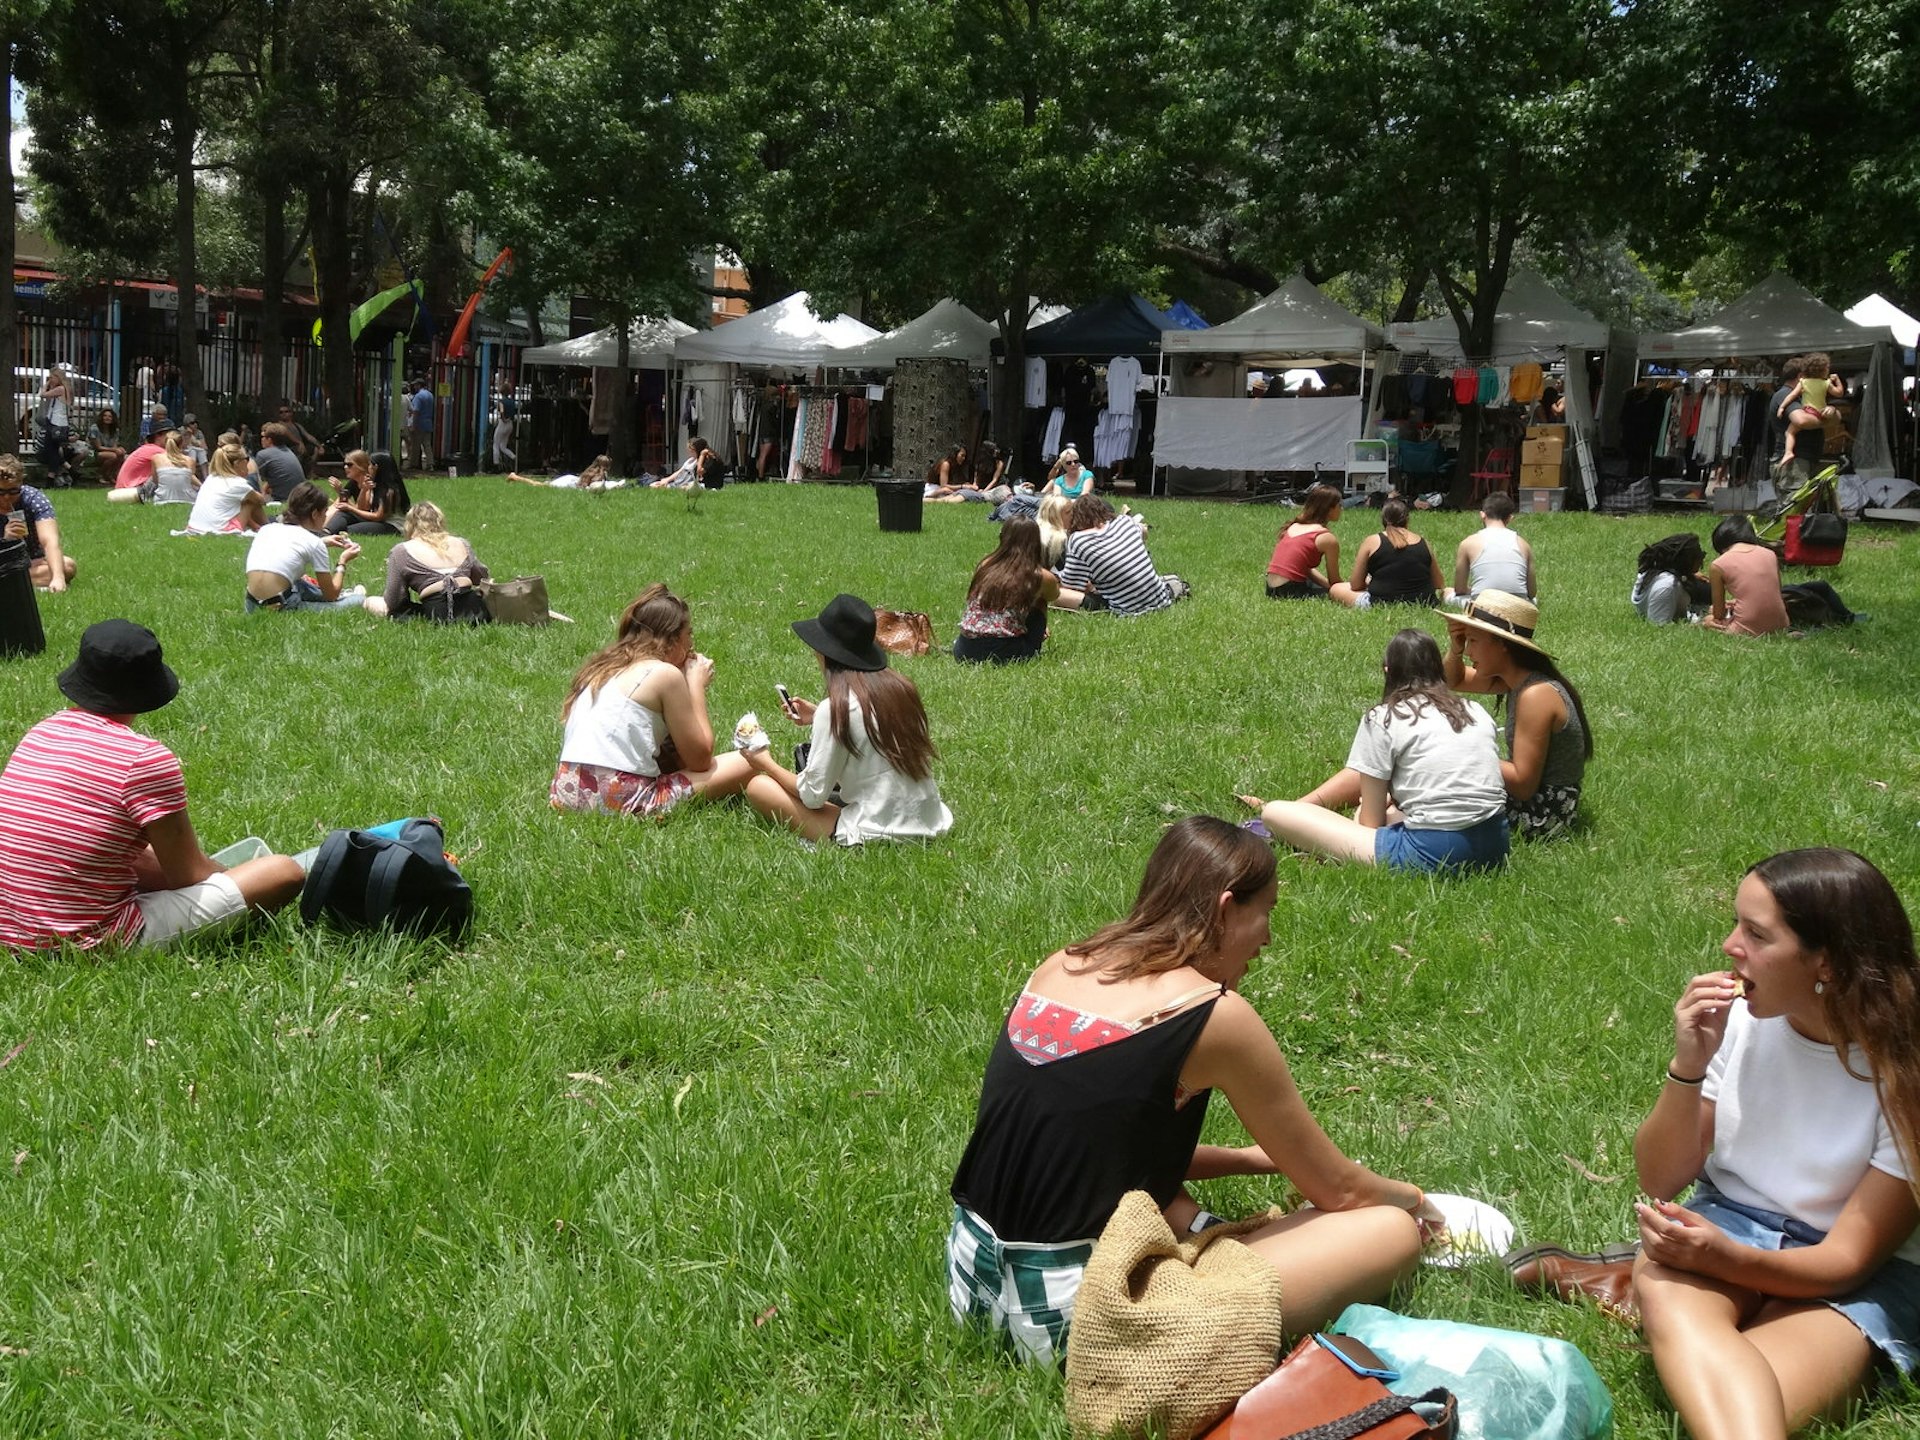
1208, 424
649, 346
949, 331
786, 337
1780, 317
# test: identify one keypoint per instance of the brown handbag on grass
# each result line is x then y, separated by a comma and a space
1320, 1392
520, 601
904, 632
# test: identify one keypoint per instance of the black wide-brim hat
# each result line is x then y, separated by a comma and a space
119, 671
843, 632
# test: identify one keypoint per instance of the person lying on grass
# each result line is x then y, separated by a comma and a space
1789, 1283
1424, 771
1098, 1083
1491, 651
869, 768
638, 740
1006, 614
93, 818
283, 553
594, 477
1305, 564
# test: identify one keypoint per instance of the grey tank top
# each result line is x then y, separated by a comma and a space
1566, 765
1499, 565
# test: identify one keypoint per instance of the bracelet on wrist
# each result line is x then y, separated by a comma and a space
1683, 1080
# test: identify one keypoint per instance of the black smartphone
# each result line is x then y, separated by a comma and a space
786, 700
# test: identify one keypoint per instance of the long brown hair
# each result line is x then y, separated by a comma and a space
1176, 916
1838, 903
890, 706
656, 618
1416, 680
1322, 500
1009, 578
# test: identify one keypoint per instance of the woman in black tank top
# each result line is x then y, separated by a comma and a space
1098, 1084
1396, 566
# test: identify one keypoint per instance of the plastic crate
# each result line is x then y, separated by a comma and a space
1541, 498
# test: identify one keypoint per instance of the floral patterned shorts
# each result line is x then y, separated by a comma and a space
1548, 815
596, 788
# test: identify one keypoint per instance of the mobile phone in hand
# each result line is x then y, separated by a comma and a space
786, 700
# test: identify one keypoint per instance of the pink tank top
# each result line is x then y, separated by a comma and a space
1297, 554
1752, 575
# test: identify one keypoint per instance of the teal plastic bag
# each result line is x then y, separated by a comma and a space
1510, 1385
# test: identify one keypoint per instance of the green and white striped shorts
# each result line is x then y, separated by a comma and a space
1023, 1293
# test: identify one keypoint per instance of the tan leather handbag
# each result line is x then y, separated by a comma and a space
904, 632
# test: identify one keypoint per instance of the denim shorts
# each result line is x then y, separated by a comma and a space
1886, 1309
1478, 847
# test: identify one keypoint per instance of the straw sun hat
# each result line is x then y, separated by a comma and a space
1505, 616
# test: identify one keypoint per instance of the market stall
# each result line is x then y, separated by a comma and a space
1210, 434
1108, 346
566, 416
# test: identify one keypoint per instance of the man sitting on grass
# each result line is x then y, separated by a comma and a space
93, 818
1493, 557
1107, 560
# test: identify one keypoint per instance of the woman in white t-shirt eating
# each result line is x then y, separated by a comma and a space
1424, 771
227, 503
1791, 1277
282, 555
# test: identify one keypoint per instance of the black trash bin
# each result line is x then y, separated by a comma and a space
20, 632
900, 504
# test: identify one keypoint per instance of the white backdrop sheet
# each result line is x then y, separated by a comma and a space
1265, 434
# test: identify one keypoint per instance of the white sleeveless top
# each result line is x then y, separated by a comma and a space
607, 727
1499, 565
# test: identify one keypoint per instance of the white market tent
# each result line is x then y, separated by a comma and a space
649, 346
949, 331
784, 335
1780, 317
1877, 311
1533, 322
1223, 430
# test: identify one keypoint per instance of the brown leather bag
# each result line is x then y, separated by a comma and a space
1317, 1394
904, 632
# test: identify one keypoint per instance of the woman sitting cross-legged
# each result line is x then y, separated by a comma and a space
1306, 560
373, 495
1098, 1083
869, 767
1006, 615
1394, 566
1491, 651
438, 568
228, 503
638, 740
1424, 770
282, 554
1789, 1282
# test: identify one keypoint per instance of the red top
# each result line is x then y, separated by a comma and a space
73, 801
1297, 554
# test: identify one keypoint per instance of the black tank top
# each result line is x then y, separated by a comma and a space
1055, 1146
1403, 576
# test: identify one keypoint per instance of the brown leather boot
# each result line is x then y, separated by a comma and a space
1605, 1277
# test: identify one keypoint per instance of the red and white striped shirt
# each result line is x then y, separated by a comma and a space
73, 801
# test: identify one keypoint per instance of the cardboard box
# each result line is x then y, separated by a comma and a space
1541, 500
1546, 432
1542, 452
1541, 477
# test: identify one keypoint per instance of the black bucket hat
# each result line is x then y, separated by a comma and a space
119, 671
843, 632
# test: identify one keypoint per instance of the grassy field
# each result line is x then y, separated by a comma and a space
664, 1150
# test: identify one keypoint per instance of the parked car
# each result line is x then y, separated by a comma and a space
90, 397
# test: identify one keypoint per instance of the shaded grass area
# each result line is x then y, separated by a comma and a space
665, 1148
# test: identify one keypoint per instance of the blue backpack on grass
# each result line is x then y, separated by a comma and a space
397, 875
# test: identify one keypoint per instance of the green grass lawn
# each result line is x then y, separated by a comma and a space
664, 1150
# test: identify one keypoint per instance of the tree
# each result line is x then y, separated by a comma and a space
986, 150
611, 193
16, 25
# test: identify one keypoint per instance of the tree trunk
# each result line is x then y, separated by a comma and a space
620, 440
330, 205
273, 294
186, 268
9, 305
1009, 401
